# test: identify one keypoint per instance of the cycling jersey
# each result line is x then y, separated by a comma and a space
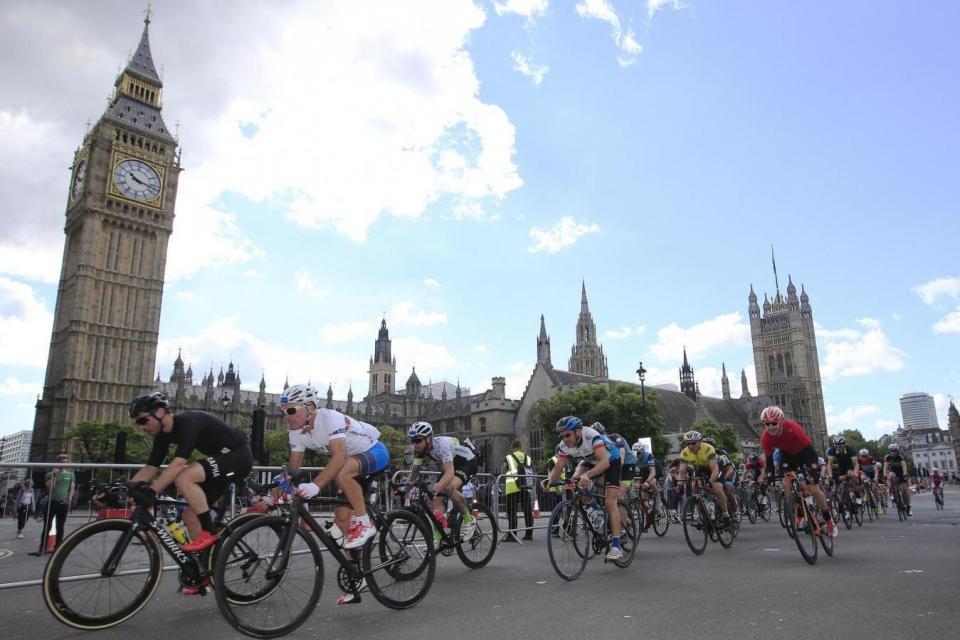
895, 463
445, 449
841, 459
791, 441
755, 469
590, 442
330, 425
867, 465
936, 479
702, 457
626, 452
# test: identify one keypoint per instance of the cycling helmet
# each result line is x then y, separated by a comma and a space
568, 423
300, 394
894, 446
692, 436
639, 448
598, 427
710, 440
420, 430
839, 440
148, 403
771, 414
753, 457
863, 452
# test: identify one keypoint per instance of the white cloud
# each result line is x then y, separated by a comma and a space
189, 296
431, 282
835, 334
723, 330
623, 332
624, 39
947, 287
340, 332
402, 314
13, 387
426, 356
656, 5
949, 323
482, 348
884, 426
561, 235
527, 68
25, 325
849, 418
253, 274
852, 353
33, 260
525, 8
308, 287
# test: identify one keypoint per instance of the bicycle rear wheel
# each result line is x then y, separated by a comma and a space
798, 522
763, 506
694, 525
479, 549
78, 595
257, 595
569, 543
782, 511
661, 519
399, 563
826, 540
858, 514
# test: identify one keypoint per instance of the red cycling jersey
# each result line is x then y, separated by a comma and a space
791, 441
760, 464
936, 479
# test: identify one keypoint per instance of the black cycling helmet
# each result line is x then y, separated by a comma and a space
148, 403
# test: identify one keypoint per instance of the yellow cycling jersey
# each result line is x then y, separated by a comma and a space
702, 457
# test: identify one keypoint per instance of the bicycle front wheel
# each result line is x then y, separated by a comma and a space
569, 543
478, 550
77, 593
629, 535
225, 532
661, 519
694, 525
263, 592
798, 519
399, 562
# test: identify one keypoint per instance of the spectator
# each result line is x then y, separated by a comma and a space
26, 504
61, 485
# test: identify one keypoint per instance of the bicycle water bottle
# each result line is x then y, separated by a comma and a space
334, 532
178, 532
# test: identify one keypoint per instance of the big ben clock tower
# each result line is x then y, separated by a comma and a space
119, 216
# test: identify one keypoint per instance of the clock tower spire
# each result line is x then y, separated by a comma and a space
119, 216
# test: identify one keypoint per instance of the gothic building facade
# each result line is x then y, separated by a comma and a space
785, 357
586, 355
119, 216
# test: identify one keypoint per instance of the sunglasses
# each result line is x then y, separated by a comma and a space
291, 410
142, 420
770, 424
417, 440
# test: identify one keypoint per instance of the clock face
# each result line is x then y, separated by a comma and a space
79, 178
137, 180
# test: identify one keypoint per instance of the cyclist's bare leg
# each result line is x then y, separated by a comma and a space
188, 484
610, 501
191, 521
719, 494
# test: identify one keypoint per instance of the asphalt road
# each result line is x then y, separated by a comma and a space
886, 580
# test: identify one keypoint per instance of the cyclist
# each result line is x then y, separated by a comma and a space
895, 471
201, 483
628, 459
458, 463
868, 469
704, 458
598, 457
796, 452
842, 463
356, 456
755, 468
648, 472
936, 481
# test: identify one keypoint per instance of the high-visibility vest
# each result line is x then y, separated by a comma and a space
563, 474
513, 469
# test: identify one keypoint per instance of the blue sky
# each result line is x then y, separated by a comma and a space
462, 166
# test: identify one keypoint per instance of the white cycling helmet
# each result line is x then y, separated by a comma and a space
771, 414
300, 394
599, 428
864, 452
420, 430
692, 436
639, 448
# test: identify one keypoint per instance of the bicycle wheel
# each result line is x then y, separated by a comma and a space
726, 530
846, 513
869, 507
78, 595
694, 525
661, 519
752, 510
479, 549
225, 532
803, 530
569, 544
763, 506
267, 599
782, 511
629, 535
399, 563
826, 540
858, 514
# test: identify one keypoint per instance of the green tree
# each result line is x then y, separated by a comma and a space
96, 442
725, 435
620, 410
396, 442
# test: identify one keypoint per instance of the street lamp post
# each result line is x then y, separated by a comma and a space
643, 397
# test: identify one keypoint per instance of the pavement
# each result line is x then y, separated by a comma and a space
888, 579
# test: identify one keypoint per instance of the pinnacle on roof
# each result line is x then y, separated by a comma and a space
543, 328
584, 308
141, 63
753, 296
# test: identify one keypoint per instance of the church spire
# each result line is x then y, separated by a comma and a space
141, 63
744, 388
725, 382
584, 307
586, 355
543, 344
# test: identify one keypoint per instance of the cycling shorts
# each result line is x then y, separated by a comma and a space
464, 469
222, 469
803, 462
611, 476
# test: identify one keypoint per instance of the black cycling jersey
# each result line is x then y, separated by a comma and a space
842, 458
894, 461
200, 431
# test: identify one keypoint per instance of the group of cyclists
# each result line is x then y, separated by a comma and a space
356, 455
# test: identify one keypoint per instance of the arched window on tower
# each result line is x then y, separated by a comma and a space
780, 362
789, 365
770, 365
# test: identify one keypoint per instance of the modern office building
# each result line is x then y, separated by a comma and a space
919, 411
